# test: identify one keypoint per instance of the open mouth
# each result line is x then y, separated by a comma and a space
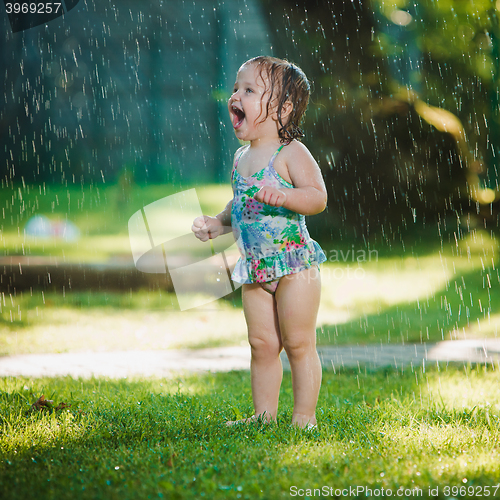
238, 116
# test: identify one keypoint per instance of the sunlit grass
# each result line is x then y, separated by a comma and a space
153, 437
448, 294
100, 213
112, 321
440, 287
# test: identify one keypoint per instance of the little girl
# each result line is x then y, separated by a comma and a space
276, 182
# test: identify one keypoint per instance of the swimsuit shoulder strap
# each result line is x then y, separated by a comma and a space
239, 155
271, 161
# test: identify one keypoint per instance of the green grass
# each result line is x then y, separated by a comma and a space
100, 212
107, 321
448, 292
156, 438
427, 287
159, 438
443, 293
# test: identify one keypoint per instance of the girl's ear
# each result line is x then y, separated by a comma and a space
286, 109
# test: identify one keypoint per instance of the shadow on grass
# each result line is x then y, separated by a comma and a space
418, 241
465, 308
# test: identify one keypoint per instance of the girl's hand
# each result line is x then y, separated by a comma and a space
270, 196
205, 227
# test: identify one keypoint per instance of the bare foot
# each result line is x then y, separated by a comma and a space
263, 417
305, 422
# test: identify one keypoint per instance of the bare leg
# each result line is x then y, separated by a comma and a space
297, 299
265, 340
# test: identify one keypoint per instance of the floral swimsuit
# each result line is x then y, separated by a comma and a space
273, 241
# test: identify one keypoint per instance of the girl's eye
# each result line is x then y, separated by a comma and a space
249, 91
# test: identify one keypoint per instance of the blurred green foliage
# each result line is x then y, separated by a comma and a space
388, 168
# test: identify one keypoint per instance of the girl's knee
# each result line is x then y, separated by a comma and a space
265, 346
299, 347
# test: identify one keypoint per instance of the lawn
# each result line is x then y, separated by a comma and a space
425, 289
430, 294
413, 433
100, 212
386, 431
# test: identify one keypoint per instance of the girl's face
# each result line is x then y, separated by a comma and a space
247, 106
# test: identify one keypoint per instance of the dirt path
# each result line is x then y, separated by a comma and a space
165, 363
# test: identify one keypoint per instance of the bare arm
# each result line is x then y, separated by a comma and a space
308, 197
225, 215
206, 227
306, 200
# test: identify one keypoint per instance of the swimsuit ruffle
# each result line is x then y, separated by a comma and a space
277, 265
